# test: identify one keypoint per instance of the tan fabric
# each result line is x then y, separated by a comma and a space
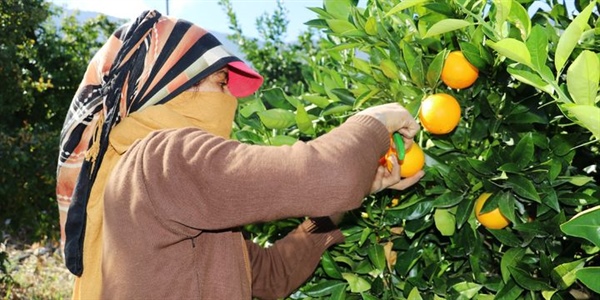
175, 114
176, 198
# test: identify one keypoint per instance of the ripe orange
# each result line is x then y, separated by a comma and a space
458, 72
413, 161
439, 113
491, 220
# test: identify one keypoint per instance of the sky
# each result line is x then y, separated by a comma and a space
205, 13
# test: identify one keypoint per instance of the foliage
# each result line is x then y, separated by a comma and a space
44, 64
518, 138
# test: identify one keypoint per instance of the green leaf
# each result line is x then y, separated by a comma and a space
371, 26
530, 78
473, 55
340, 9
523, 152
589, 276
510, 259
523, 187
366, 296
324, 288
578, 180
446, 25
586, 115
340, 26
537, 44
582, 78
281, 140
321, 12
365, 234
414, 294
435, 69
502, 12
448, 199
277, 118
335, 109
251, 107
585, 224
510, 291
414, 63
357, 283
519, 16
389, 69
407, 260
551, 200
339, 293
344, 95
416, 211
404, 5
467, 290
377, 256
480, 166
361, 65
277, 98
564, 274
330, 267
506, 237
527, 281
366, 96
570, 37
506, 204
319, 101
513, 49
445, 222
304, 122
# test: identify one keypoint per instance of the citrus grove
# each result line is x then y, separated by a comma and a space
507, 97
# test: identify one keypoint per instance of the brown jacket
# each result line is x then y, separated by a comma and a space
176, 198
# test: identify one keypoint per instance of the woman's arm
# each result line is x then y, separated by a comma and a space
280, 269
201, 181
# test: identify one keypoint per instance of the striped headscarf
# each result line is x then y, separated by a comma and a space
147, 62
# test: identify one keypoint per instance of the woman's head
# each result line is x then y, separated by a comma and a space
147, 62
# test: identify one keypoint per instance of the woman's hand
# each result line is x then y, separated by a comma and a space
395, 118
384, 179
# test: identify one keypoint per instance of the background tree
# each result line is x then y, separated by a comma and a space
42, 65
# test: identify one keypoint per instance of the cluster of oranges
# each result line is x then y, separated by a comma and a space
440, 114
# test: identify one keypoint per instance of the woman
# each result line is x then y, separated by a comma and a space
157, 193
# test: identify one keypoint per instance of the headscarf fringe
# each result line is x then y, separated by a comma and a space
91, 154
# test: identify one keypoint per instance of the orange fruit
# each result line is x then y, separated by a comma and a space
491, 220
439, 113
413, 161
458, 72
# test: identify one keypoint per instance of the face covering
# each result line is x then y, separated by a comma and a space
210, 111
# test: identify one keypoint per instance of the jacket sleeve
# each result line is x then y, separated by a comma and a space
200, 181
280, 269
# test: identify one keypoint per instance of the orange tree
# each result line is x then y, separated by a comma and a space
528, 134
